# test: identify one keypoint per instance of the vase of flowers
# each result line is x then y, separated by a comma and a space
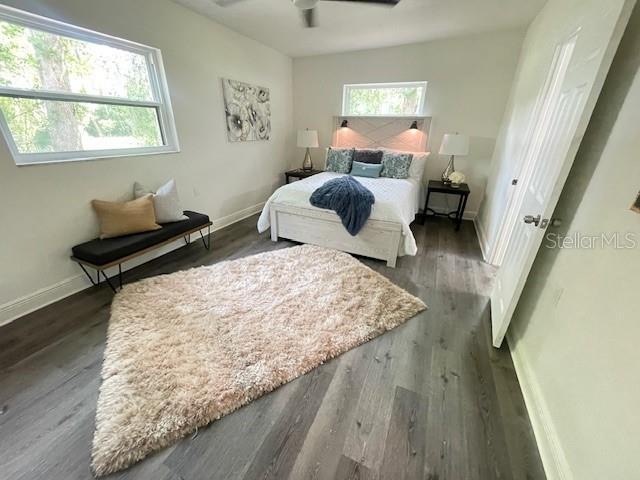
456, 178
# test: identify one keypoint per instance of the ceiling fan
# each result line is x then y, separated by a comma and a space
307, 7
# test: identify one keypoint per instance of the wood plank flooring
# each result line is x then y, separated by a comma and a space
429, 400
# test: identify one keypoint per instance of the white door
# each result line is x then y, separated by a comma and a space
563, 108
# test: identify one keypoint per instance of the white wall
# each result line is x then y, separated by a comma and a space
575, 333
45, 209
469, 79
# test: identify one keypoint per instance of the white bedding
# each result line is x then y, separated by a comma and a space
397, 200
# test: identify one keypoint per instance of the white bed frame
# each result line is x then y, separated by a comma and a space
377, 239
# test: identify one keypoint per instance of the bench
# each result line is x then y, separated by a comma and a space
103, 254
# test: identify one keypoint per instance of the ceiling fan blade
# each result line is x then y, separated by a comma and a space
226, 3
390, 3
308, 16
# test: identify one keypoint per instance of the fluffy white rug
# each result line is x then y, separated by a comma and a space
187, 348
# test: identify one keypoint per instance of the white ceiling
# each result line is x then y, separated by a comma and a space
344, 26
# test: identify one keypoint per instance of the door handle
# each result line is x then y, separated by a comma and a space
531, 219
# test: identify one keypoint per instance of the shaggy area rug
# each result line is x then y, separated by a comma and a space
187, 348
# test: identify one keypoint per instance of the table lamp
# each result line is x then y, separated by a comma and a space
453, 144
307, 139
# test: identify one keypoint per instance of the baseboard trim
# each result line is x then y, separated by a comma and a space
237, 216
482, 239
552, 454
22, 306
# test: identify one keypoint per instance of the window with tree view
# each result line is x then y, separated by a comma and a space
67, 93
384, 99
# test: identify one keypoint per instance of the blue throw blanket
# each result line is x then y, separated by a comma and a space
348, 198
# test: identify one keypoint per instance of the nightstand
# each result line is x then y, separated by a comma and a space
437, 186
300, 174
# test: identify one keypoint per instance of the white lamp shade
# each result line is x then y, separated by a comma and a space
308, 138
454, 144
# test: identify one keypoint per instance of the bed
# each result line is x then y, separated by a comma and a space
385, 236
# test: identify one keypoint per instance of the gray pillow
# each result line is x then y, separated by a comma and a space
367, 156
396, 165
339, 160
165, 201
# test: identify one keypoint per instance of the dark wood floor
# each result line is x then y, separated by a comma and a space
431, 399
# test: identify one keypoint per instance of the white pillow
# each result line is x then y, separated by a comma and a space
165, 201
418, 163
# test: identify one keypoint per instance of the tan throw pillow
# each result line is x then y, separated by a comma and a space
118, 218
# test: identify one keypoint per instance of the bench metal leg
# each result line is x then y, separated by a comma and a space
109, 281
96, 282
207, 244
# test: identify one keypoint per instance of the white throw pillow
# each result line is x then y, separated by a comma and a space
165, 201
419, 161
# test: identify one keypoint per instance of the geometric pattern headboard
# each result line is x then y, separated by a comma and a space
387, 132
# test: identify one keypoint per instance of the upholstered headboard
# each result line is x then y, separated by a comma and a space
387, 132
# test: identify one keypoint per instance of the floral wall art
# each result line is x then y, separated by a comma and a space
248, 111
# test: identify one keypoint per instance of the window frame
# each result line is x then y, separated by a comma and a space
421, 102
157, 79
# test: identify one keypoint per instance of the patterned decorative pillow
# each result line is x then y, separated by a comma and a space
396, 165
339, 160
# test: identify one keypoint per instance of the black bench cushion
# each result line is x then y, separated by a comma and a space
100, 252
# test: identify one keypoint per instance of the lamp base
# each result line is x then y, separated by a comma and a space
448, 171
307, 164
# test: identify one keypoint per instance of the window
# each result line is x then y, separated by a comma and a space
67, 93
384, 99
